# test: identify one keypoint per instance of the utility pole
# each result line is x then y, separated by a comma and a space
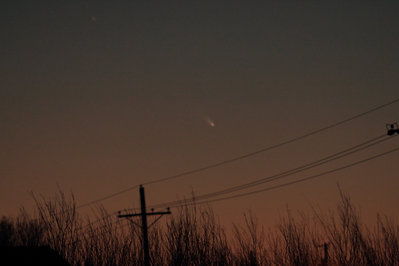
324, 261
325, 254
144, 227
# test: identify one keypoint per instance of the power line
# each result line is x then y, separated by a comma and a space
301, 168
331, 157
291, 182
327, 159
276, 186
107, 197
91, 223
241, 157
98, 230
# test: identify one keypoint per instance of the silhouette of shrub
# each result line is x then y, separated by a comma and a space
192, 235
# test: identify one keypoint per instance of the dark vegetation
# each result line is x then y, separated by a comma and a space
193, 236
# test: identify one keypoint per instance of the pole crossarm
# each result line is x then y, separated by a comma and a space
144, 226
140, 214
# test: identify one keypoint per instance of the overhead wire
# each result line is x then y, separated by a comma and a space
113, 225
91, 223
324, 160
291, 182
241, 157
276, 186
201, 199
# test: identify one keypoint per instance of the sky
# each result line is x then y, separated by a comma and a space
100, 96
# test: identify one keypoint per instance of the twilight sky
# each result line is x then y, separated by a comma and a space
98, 96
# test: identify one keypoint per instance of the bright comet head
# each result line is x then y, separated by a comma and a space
209, 121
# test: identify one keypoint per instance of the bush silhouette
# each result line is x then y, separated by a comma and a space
192, 235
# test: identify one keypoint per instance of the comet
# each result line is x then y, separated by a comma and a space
209, 121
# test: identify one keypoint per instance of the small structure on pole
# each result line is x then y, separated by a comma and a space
392, 129
144, 226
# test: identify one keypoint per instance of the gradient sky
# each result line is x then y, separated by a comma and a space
97, 96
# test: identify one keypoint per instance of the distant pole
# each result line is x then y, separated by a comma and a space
325, 254
144, 227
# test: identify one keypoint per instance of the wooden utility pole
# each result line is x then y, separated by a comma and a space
144, 226
325, 254
324, 260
